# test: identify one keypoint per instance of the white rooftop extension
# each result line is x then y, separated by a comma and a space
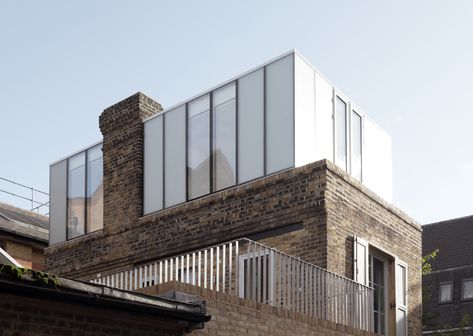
279, 115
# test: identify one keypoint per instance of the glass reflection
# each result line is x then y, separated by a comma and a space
356, 145
224, 137
94, 189
340, 133
76, 196
199, 147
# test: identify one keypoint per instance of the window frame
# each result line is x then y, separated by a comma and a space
348, 107
356, 110
463, 290
443, 283
85, 152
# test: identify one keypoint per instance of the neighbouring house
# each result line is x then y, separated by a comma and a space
268, 196
449, 286
39, 304
23, 236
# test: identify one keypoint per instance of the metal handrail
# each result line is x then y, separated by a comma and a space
251, 270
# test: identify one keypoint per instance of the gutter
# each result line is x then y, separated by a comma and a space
189, 315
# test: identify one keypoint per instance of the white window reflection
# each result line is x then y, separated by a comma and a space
224, 132
199, 147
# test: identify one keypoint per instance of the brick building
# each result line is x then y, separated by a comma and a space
233, 195
449, 286
23, 236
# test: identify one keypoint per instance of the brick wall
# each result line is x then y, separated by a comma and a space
22, 316
122, 129
354, 210
447, 315
324, 204
235, 316
238, 212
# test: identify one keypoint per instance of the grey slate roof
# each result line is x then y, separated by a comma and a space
24, 223
453, 238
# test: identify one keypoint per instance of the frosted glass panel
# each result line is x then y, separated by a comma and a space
251, 126
224, 118
153, 165
280, 115
340, 133
76, 196
356, 145
58, 202
175, 156
94, 189
199, 147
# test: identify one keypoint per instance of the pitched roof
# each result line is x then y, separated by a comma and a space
24, 223
453, 238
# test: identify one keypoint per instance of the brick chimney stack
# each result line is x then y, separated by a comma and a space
122, 129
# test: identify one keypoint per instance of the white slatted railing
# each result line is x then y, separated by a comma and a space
251, 270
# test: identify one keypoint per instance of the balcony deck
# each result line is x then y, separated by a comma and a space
250, 270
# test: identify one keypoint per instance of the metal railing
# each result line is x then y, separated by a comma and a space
254, 271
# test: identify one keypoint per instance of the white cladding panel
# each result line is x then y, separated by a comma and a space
323, 119
280, 115
377, 156
250, 145
175, 156
57, 202
304, 112
153, 165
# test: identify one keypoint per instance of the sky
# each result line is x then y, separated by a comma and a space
407, 64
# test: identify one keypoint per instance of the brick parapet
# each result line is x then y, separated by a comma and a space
232, 315
289, 197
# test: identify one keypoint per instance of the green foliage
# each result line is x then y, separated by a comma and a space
45, 278
427, 317
460, 330
426, 266
19, 273
12, 272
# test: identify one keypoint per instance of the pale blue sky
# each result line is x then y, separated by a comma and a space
408, 64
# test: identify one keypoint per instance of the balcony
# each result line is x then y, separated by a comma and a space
250, 270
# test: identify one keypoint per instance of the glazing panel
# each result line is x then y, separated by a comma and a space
251, 126
445, 292
224, 119
175, 156
468, 289
356, 143
280, 115
153, 165
58, 202
340, 133
94, 189
76, 196
199, 147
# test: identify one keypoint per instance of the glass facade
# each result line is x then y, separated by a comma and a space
224, 137
280, 115
238, 132
85, 192
356, 144
175, 156
94, 189
341, 133
251, 126
76, 196
198, 154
